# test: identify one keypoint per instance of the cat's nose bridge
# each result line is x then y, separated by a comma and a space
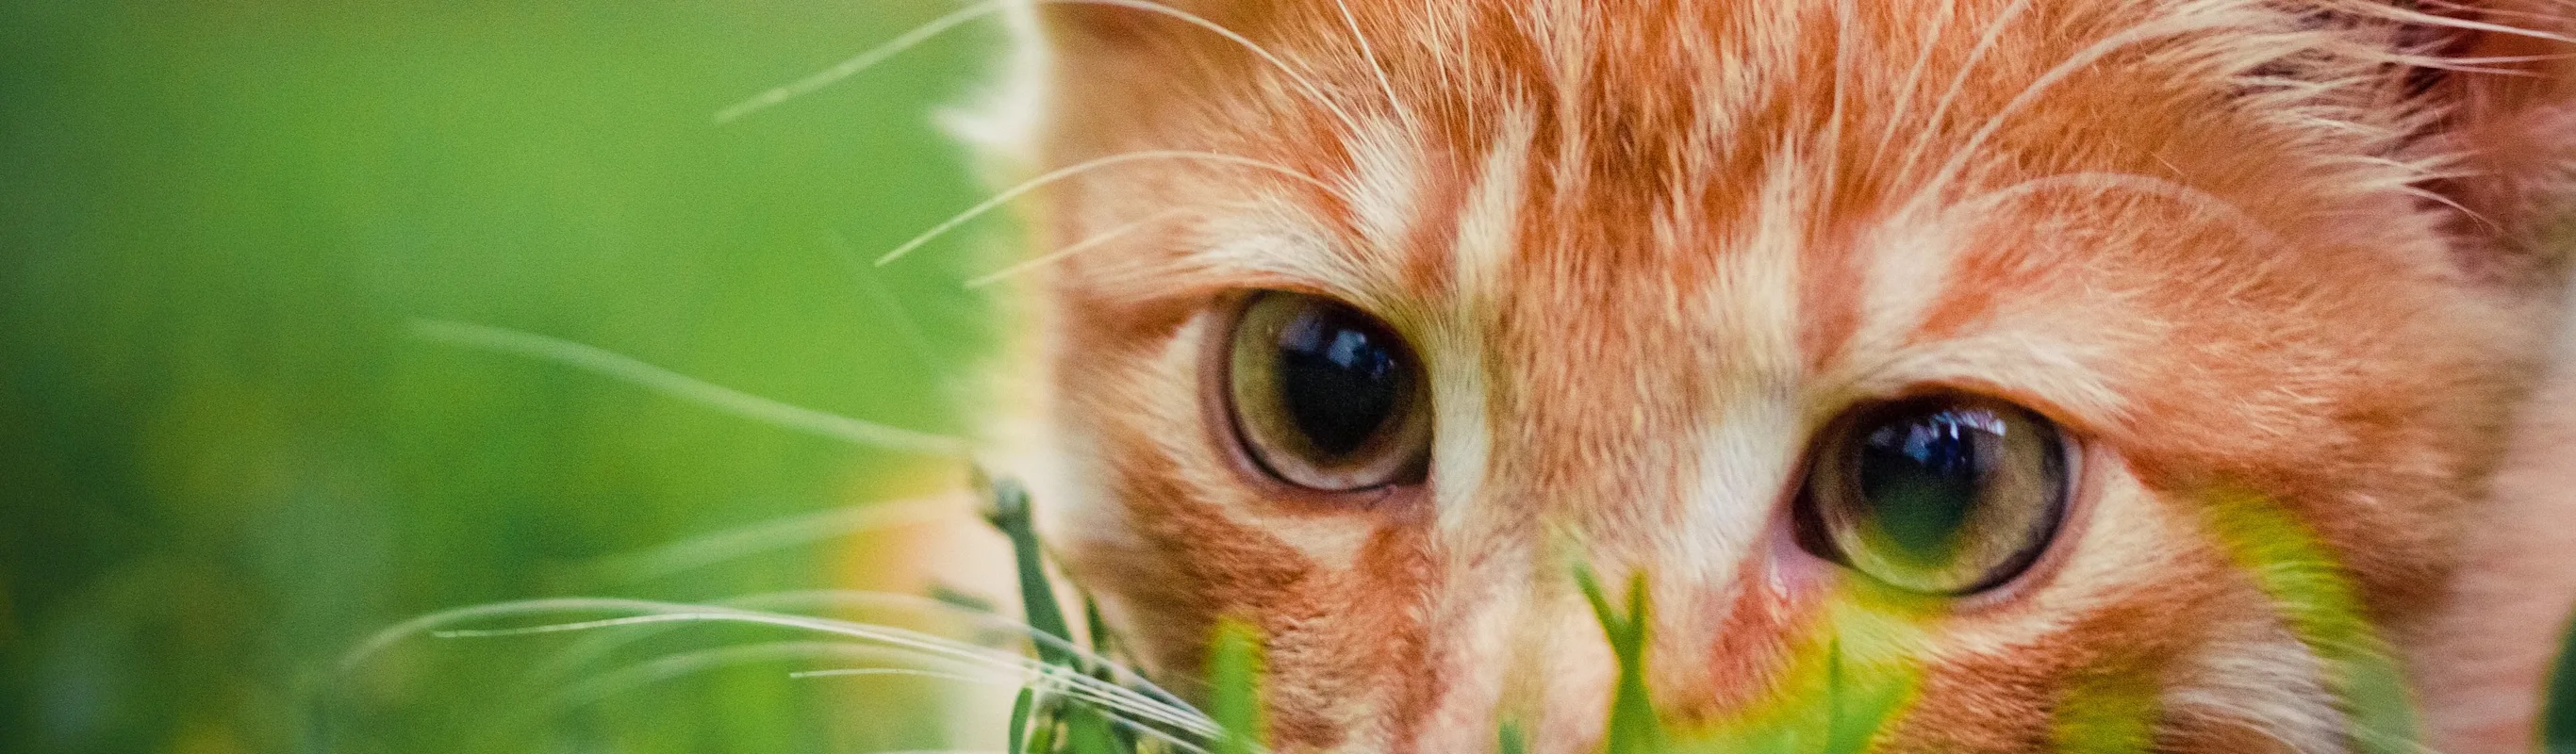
1532, 654
1622, 418
1664, 471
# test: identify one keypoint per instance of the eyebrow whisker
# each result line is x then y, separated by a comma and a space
1958, 82
1070, 171
1914, 78
1076, 247
2073, 64
1385, 84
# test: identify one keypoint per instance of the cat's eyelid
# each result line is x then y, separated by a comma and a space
2022, 371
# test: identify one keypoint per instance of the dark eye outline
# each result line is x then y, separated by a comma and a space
1218, 404
2030, 564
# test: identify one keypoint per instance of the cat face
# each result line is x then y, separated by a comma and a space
2004, 354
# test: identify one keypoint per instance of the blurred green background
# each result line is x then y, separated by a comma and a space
223, 461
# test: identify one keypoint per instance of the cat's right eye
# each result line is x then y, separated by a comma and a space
1324, 396
1945, 494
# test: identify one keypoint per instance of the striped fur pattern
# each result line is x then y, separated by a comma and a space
1647, 248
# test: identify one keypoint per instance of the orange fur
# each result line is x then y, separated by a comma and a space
1648, 247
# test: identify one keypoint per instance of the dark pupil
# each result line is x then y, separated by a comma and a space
1338, 379
1920, 474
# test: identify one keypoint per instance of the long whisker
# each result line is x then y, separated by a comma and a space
519, 718
663, 612
689, 663
2203, 201
669, 667
940, 25
883, 600
870, 284
1076, 247
855, 66
1107, 694
1059, 174
673, 384
774, 534
2397, 12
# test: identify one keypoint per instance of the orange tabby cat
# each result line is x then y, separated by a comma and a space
2109, 346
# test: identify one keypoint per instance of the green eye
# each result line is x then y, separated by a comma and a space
1944, 495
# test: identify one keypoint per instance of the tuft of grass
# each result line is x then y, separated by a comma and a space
1049, 724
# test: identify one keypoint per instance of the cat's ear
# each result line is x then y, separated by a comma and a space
2495, 81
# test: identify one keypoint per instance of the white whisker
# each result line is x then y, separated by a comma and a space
861, 63
774, 534
1076, 247
1124, 699
1931, 126
854, 599
2146, 185
1302, 82
1914, 78
1384, 84
2395, 12
2081, 60
905, 672
673, 384
516, 719
935, 27
1059, 174
670, 667
866, 599
904, 325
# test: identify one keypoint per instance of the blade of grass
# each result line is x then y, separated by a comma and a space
1020, 721
1011, 513
1634, 726
1234, 680
1511, 740
2318, 599
2558, 731
1087, 733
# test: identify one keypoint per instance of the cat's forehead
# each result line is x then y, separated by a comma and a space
1747, 273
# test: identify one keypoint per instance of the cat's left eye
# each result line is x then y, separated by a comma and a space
1324, 396
1946, 495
